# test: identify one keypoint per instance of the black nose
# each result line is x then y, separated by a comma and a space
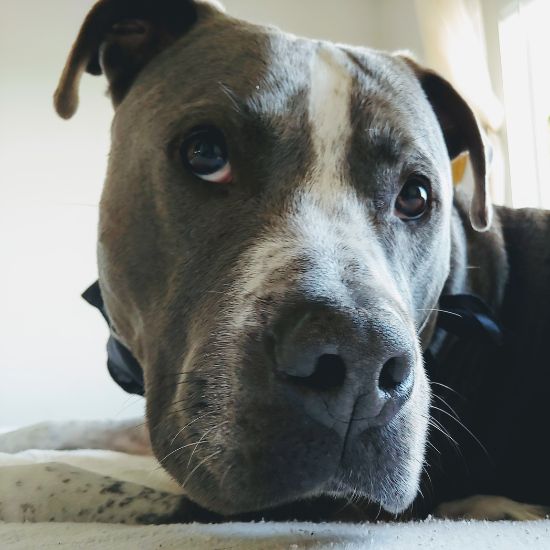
333, 360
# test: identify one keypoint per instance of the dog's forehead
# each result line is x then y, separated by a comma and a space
324, 74
269, 70
346, 94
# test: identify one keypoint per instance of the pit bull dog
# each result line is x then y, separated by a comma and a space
279, 241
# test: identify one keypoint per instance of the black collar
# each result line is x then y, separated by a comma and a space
123, 366
465, 316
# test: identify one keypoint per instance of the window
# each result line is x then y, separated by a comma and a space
524, 39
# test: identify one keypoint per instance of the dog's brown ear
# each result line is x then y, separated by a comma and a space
462, 134
118, 38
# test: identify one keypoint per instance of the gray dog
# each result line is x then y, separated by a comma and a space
278, 229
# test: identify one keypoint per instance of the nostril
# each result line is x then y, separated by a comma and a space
393, 374
329, 373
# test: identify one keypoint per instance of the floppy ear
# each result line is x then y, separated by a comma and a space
462, 134
118, 38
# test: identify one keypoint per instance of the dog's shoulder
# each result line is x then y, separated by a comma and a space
481, 257
526, 232
526, 306
508, 266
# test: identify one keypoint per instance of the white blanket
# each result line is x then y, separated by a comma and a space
444, 535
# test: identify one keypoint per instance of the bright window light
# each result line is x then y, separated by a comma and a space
525, 45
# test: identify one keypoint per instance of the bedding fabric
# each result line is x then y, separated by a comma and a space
426, 535
24, 531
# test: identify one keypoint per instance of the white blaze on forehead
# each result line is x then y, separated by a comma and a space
329, 112
327, 223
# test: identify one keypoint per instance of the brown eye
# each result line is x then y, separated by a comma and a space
204, 153
412, 201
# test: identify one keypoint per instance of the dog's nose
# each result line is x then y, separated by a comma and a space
325, 353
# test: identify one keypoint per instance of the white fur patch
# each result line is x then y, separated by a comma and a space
329, 115
327, 223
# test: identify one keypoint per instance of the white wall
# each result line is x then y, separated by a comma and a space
346, 21
384, 24
395, 26
52, 362
52, 359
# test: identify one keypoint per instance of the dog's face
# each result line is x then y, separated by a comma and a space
275, 231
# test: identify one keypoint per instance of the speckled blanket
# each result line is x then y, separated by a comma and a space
28, 498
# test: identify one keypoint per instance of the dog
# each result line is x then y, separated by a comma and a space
278, 229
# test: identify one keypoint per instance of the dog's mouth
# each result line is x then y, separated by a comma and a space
374, 467
271, 449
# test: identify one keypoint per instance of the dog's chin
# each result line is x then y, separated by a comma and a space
389, 480
391, 486
393, 499
397, 501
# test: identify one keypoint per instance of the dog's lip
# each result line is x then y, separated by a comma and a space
332, 482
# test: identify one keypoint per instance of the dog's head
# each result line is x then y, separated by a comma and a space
274, 233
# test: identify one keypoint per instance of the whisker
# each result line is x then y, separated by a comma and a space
203, 436
421, 493
439, 427
222, 481
447, 388
425, 470
189, 424
447, 405
430, 444
198, 466
441, 311
179, 449
462, 425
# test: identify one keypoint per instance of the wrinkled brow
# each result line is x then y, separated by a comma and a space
239, 104
392, 142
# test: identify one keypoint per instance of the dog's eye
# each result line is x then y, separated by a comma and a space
412, 201
204, 153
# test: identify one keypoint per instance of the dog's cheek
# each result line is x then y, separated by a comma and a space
417, 412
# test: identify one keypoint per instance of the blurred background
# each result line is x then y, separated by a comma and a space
52, 344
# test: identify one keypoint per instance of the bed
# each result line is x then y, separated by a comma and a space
26, 524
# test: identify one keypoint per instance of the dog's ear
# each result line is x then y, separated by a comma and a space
118, 38
462, 134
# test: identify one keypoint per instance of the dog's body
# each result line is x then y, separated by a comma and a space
499, 393
276, 230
